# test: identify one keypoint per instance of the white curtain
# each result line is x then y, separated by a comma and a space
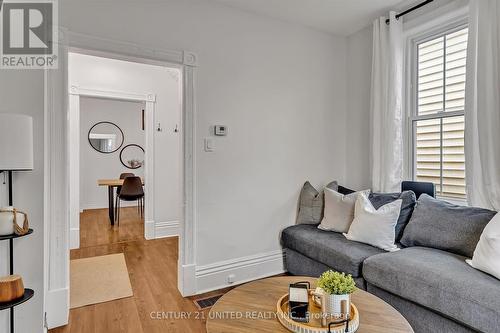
482, 105
386, 105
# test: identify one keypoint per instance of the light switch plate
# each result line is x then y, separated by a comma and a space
209, 145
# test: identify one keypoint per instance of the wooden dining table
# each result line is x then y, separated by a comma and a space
111, 184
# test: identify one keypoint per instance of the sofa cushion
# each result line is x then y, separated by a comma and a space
409, 201
300, 265
311, 203
440, 281
344, 190
375, 226
379, 199
445, 226
328, 247
487, 254
339, 210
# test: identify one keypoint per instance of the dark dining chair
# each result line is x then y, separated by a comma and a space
119, 188
131, 191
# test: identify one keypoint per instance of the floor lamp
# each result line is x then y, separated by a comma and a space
16, 154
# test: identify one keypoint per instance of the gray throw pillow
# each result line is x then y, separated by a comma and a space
311, 204
344, 190
441, 225
409, 201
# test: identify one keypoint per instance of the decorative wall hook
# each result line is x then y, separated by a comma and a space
176, 130
159, 129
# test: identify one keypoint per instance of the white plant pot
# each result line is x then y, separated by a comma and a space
7, 221
334, 307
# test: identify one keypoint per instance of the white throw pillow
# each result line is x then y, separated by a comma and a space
486, 256
339, 210
375, 226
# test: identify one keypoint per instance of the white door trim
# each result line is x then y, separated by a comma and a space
75, 92
120, 95
57, 176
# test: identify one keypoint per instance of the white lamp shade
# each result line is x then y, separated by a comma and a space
16, 142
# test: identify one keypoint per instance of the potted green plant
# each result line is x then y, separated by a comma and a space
336, 288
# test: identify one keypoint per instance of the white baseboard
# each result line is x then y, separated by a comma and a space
155, 230
74, 238
57, 305
167, 229
101, 206
186, 282
149, 229
215, 276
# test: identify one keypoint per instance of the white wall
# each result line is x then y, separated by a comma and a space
281, 90
359, 67
122, 76
94, 165
21, 91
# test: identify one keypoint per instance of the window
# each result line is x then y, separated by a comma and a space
438, 118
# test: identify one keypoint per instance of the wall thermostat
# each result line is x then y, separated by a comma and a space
220, 130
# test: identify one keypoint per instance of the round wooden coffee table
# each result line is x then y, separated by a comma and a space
251, 307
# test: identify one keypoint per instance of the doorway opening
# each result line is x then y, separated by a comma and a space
124, 122
59, 175
124, 170
112, 141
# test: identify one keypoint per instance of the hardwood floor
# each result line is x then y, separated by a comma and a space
95, 228
152, 267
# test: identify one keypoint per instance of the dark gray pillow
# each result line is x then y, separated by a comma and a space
311, 204
344, 190
445, 226
409, 201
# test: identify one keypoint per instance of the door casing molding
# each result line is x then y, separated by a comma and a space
56, 162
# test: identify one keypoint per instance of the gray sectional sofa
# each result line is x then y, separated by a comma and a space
427, 280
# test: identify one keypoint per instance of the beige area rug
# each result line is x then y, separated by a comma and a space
98, 279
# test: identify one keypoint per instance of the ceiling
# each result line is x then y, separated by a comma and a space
340, 17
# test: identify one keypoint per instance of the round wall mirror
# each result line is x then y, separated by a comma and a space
106, 137
132, 156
